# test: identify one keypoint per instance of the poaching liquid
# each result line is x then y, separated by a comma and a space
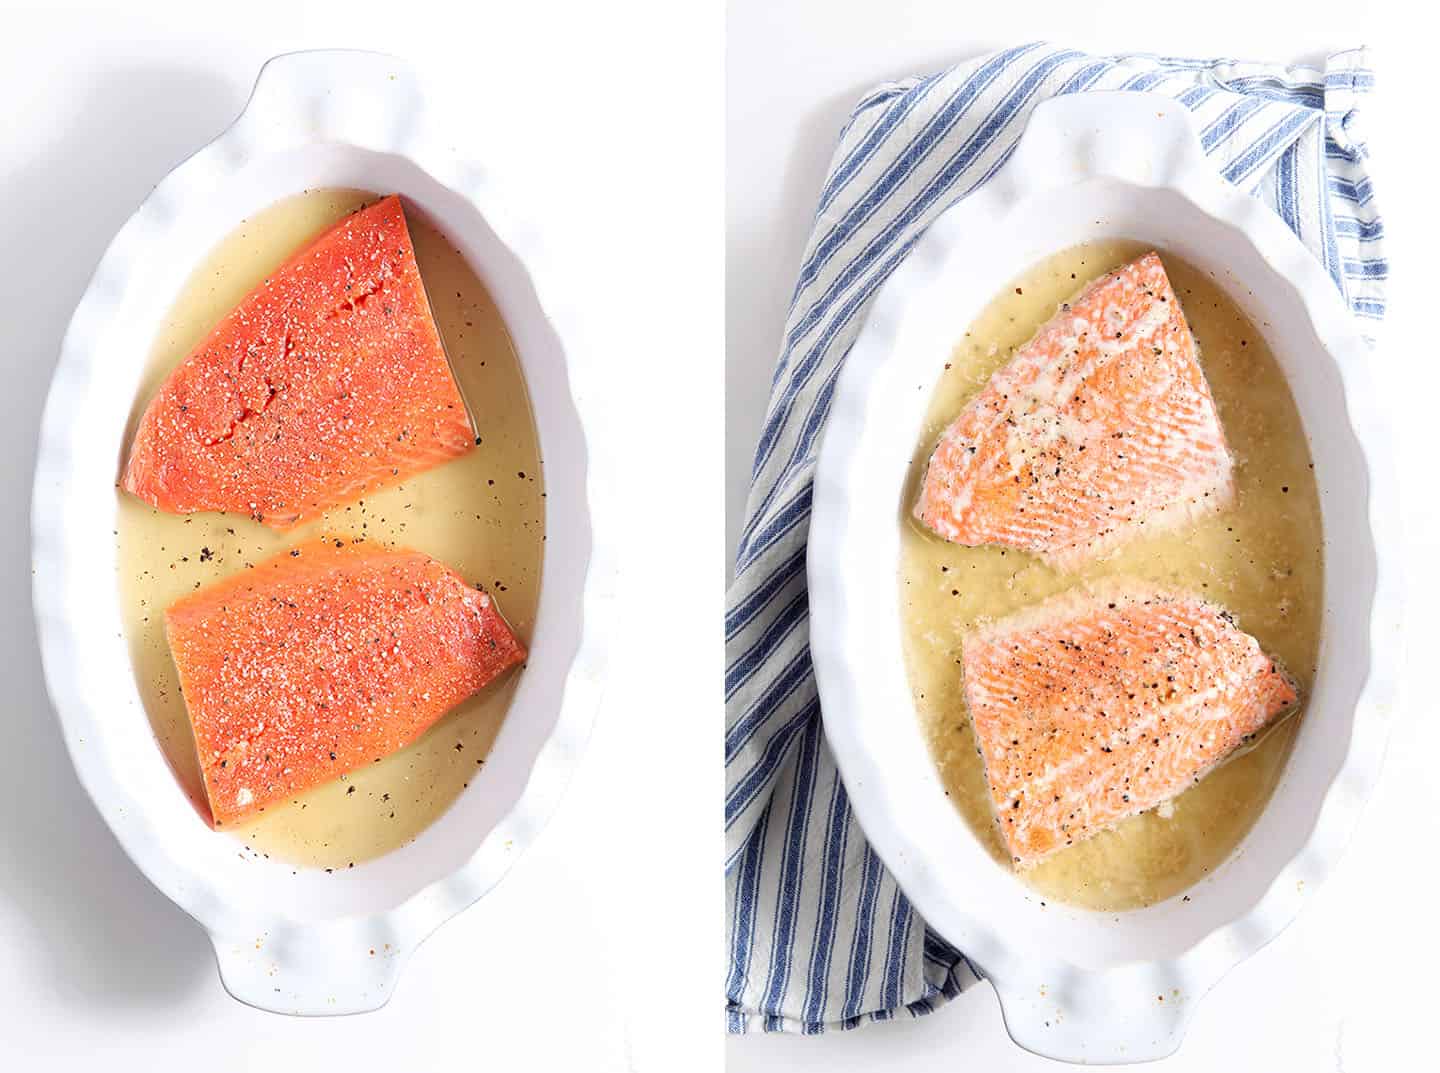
1261, 559
482, 514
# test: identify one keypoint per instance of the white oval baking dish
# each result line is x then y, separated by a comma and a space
1073, 984
313, 943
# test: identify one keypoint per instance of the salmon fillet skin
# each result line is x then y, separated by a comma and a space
325, 658
1101, 428
1098, 704
327, 380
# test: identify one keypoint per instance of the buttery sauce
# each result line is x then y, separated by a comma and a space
1261, 559
482, 514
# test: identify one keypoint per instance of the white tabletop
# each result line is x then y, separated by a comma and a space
1350, 985
583, 958
560, 967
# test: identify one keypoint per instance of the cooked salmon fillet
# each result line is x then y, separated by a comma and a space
327, 380
1099, 704
1099, 429
325, 658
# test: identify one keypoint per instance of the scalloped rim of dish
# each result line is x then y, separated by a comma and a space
324, 959
1114, 1013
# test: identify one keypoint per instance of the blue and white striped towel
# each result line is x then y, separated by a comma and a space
820, 936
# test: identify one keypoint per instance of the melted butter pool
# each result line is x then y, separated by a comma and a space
482, 514
1261, 559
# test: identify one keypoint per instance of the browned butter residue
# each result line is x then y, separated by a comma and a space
1261, 559
482, 514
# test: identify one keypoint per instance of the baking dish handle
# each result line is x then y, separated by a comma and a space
296, 94
1140, 138
1100, 1024
321, 971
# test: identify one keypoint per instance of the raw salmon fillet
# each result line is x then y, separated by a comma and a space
1099, 429
1096, 705
327, 380
323, 659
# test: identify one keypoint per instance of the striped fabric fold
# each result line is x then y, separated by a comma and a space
820, 936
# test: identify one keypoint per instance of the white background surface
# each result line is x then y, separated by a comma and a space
1351, 985
559, 968
602, 949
